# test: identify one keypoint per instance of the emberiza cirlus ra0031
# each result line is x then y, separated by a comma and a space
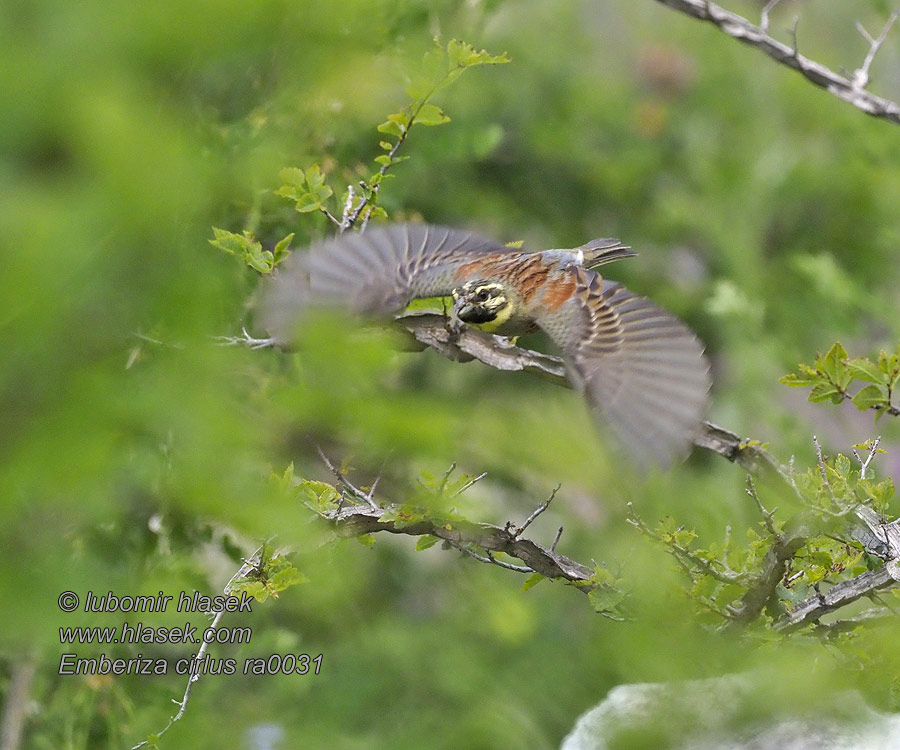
641, 370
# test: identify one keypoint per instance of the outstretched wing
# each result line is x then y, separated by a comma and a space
640, 368
375, 273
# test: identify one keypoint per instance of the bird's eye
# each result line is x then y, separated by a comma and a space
482, 295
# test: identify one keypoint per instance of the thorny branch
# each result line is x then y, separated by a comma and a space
466, 536
861, 74
243, 571
851, 90
840, 595
355, 492
864, 463
517, 532
764, 19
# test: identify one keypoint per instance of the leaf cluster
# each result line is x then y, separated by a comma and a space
722, 573
246, 247
833, 375
308, 188
836, 487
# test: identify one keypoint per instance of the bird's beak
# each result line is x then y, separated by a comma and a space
462, 310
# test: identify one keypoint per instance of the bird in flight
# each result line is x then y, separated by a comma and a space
641, 370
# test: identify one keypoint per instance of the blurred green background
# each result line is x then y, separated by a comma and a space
765, 212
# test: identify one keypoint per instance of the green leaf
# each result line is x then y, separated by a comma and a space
429, 114
870, 396
293, 176
889, 364
832, 364
287, 576
604, 599
795, 380
227, 242
865, 369
434, 67
383, 159
463, 55
366, 540
308, 203
314, 178
842, 465
307, 190
421, 85
824, 392
263, 262
246, 246
820, 557
256, 589
320, 495
533, 580
391, 128
425, 542
281, 249
291, 192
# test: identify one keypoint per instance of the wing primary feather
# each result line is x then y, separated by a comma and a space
640, 368
374, 273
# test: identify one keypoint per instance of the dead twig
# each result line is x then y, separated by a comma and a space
850, 89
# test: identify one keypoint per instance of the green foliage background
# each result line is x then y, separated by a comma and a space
765, 213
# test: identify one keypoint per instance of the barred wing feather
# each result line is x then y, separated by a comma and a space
375, 273
641, 369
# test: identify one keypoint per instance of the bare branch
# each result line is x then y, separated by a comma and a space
873, 616
431, 330
864, 464
861, 74
333, 219
556, 539
517, 532
490, 559
356, 520
887, 533
839, 595
468, 484
348, 208
767, 515
795, 45
740, 28
244, 570
774, 565
358, 494
245, 339
820, 460
764, 20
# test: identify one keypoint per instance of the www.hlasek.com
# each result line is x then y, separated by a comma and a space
138, 632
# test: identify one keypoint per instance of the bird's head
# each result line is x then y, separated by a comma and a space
482, 303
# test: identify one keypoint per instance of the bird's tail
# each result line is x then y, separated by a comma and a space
604, 250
